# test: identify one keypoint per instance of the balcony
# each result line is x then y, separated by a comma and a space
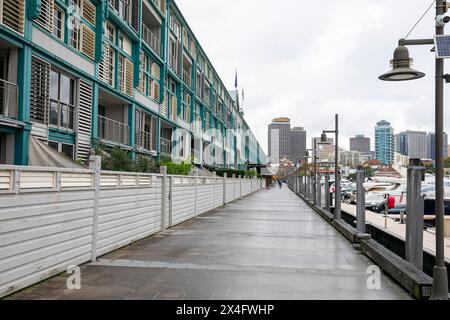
113, 131
144, 140
166, 146
151, 38
9, 94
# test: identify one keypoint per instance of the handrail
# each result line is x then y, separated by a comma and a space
113, 130
9, 99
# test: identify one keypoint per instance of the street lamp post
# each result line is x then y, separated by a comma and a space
337, 182
402, 71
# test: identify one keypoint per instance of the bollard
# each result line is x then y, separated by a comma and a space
318, 191
414, 211
361, 204
327, 192
314, 190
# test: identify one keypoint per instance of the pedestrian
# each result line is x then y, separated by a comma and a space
280, 183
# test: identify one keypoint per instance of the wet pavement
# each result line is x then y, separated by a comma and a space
268, 245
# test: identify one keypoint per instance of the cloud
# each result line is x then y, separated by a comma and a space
308, 62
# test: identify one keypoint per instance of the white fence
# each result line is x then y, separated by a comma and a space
53, 218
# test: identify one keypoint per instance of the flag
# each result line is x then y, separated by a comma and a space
236, 81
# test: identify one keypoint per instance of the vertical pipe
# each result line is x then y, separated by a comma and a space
414, 209
337, 183
360, 201
440, 282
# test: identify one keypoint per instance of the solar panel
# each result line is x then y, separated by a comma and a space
442, 43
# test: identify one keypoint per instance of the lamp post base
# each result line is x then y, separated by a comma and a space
440, 284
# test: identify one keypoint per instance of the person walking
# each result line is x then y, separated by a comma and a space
280, 183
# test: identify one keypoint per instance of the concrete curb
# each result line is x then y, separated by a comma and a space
412, 279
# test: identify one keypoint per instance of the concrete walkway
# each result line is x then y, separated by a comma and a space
269, 245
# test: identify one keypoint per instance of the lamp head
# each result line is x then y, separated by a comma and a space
323, 137
401, 67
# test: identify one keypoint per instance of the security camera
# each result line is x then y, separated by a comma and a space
442, 20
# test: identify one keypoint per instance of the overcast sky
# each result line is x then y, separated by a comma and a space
307, 61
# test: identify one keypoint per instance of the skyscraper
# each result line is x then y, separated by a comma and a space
384, 142
360, 143
413, 144
285, 142
432, 146
298, 141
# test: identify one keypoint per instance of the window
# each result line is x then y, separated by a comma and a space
128, 10
149, 77
64, 148
58, 23
110, 32
62, 100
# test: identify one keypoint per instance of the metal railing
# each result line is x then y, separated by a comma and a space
187, 78
144, 140
61, 115
166, 146
151, 39
112, 130
9, 99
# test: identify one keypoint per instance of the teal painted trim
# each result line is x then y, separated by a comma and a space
136, 63
7, 129
24, 83
59, 136
10, 36
100, 20
34, 9
22, 142
94, 122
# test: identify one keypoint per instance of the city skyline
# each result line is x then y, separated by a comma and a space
302, 98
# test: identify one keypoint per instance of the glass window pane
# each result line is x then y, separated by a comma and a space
54, 113
66, 89
67, 149
54, 77
53, 144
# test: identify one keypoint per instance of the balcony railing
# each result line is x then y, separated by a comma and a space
166, 146
112, 130
61, 115
187, 78
9, 94
151, 39
144, 140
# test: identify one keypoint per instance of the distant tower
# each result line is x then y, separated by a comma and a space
361, 144
279, 132
298, 142
384, 142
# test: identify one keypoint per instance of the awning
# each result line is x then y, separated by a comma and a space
41, 155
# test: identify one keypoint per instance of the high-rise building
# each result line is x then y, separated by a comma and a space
432, 146
298, 140
127, 74
414, 144
384, 142
361, 144
280, 139
285, 142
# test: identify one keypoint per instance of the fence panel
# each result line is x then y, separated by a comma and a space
183, 201
41, 234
